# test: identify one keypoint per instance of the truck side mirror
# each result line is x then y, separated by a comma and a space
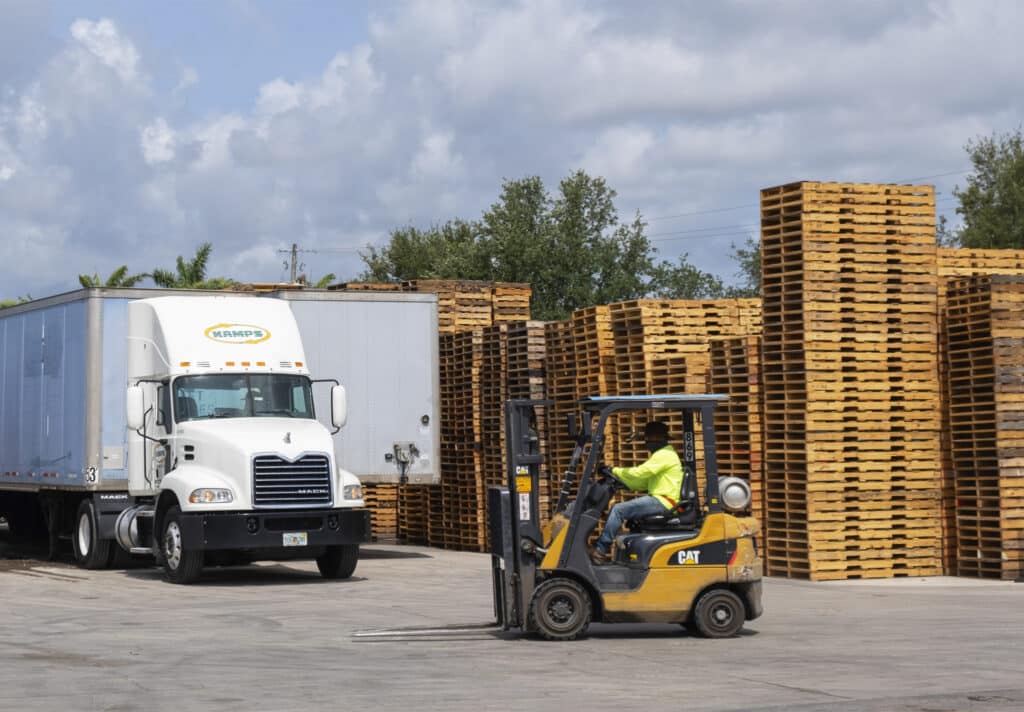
339, 407
135, 407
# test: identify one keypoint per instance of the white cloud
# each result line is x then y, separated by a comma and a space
157, 142
420, 121
435, 159
105, 41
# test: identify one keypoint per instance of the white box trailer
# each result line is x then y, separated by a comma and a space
114, 401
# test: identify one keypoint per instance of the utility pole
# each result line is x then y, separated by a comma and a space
294, 260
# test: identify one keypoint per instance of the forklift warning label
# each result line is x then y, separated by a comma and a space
237, 333
713, 553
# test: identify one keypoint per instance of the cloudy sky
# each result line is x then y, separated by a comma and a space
131, 132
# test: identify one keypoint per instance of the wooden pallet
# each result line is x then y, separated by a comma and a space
851, 399
985, 410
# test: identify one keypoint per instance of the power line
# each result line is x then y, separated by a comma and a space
713, 228
704, 212
757, 205
707, 232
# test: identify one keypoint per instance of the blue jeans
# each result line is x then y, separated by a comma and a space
639, 507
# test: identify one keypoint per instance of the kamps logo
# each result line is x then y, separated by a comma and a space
237, 333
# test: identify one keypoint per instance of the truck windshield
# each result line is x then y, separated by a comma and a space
242, 396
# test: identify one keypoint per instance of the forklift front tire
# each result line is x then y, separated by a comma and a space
560, 609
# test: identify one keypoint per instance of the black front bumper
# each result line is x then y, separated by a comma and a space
268, 530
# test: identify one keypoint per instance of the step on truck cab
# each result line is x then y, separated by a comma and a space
226, 458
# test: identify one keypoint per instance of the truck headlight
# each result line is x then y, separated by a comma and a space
209, 495
352, 492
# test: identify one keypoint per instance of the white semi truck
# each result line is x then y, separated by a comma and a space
186, 425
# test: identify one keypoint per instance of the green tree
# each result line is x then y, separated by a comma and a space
748, 262
191, 274
570, 248
992, 204
8, 303
118, 278
447, 251
324, 281
684, 281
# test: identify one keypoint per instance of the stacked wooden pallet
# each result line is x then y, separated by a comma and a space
493, 394
382, 501
510, 302
986, 412
560, 383
736, 372
468, 304
525, 378
366, 287
647, 332
462, 495
956, 263
852, 481
413, 512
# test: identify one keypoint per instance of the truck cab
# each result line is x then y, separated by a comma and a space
226, 459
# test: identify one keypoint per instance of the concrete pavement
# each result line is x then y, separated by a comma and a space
278, 637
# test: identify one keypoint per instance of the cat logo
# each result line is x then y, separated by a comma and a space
689, 557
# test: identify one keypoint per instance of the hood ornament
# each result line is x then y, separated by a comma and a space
288, 438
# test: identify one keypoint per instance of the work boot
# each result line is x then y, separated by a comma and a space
599, 558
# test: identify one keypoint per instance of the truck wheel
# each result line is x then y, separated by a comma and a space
91, 552
559, 610
338, 562
719, 614
181, 565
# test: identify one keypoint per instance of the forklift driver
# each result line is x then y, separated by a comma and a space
661, 476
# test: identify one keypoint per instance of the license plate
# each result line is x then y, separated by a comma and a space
294, 538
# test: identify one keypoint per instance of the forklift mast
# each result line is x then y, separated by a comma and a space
515, 527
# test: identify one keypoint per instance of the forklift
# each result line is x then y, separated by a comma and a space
696, 565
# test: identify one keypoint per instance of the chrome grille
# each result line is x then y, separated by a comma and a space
281, 483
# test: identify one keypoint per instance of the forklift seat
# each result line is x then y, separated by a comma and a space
682, 517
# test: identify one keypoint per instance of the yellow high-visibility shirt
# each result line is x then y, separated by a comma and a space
661, 475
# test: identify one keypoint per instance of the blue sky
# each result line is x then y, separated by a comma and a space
131, 132
235, 46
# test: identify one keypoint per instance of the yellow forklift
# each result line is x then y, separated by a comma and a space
697, 565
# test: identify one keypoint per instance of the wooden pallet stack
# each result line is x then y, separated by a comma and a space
365, 287
471, 304
560, 384
852, 480
986, 413
510, 301
462, 495
739, 427
413, 511
647, 332
493, 394
382, 501
526, 381
959, 262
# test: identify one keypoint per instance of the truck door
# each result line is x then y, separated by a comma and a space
162, 455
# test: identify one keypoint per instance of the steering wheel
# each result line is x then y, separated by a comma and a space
605, 471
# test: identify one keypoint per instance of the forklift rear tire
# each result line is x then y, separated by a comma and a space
719, 614
559, 610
